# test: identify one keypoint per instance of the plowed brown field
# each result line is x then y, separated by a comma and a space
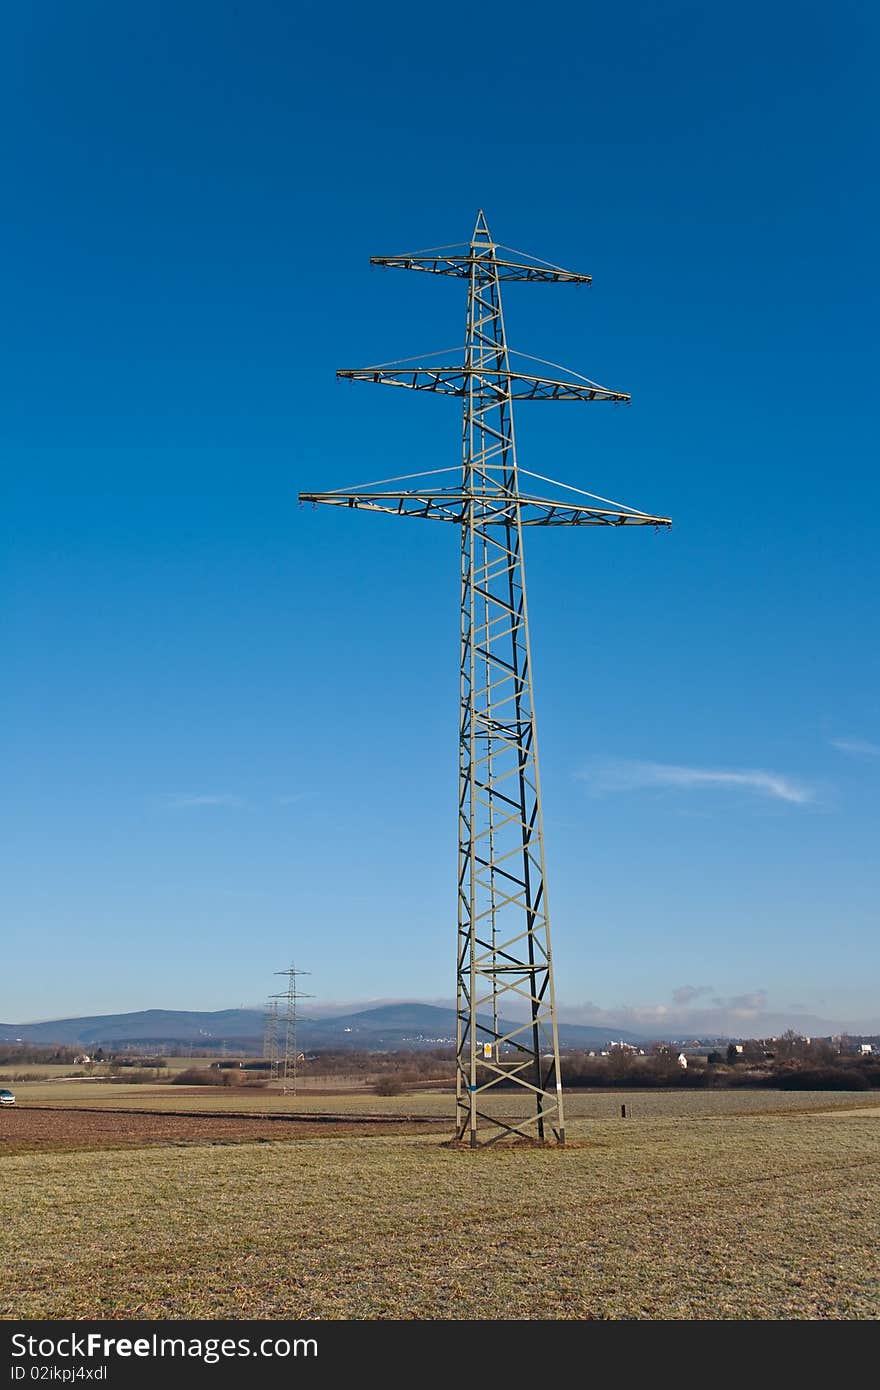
48, 1130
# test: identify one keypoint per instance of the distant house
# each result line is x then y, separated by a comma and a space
82, 1059
682, 1061
866, 1049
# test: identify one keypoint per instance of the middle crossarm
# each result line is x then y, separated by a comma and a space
454, 381
497, 510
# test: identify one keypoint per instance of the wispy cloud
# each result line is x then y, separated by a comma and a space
715, 1013
182, 800
749, 1015
856, 747
628, 775
686, 994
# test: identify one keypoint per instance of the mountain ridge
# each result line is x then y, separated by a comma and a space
409, 1024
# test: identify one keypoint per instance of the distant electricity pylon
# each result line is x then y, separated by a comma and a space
270, 1037
286, 1062
504, 957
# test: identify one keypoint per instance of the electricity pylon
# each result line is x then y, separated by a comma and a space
270, 1037
504, 958
286, 1063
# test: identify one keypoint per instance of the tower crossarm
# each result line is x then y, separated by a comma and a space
490, 509
461, 266
505, 385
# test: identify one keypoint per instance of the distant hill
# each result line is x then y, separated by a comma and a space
147, 1025
424, 1025
387, 1027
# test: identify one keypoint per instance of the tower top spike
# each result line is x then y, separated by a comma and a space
481, 229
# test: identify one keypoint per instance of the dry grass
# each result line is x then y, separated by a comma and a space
695, 1214
161, 1096
49, 1071
579, 1104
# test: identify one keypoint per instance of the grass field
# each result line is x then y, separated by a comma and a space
725, 1205
47, 1071
579, 1104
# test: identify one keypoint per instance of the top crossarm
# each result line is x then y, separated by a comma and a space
503, 269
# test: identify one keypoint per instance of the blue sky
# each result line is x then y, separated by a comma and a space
231, 722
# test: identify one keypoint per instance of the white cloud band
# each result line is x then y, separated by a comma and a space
631, 776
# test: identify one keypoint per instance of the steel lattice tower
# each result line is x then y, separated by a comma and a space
504, 961
270, 1036
286, 1062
